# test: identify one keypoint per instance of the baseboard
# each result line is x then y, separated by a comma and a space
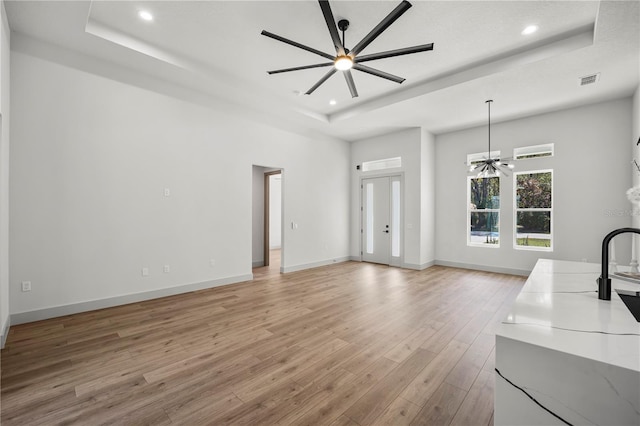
355, 258
485, 268
74, 308
5, 332
257, 264
419, 267
314, 264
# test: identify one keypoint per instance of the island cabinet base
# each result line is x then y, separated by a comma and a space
577, 390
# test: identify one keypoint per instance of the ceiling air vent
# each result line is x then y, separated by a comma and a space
589, 79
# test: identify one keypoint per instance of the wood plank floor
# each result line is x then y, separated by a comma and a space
347, 344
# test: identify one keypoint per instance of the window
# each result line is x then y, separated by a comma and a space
483, 216
536, 151
386, 163
534, 210
473, 159
370, 218
395, 218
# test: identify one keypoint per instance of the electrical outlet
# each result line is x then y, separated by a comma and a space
167, 192
212, 262
145, 272
26, 286
166, 269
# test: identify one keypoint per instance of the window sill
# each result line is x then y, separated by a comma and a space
483, 245
533, 248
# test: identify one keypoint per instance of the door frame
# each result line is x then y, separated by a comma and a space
399, 175
266, 217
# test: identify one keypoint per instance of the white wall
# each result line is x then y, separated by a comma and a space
591, 175
415, 146
92, 157
4, 173
275, 211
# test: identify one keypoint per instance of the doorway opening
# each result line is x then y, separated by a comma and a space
381, 221
273, 219
267, 244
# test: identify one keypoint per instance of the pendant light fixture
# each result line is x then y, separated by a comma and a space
490, 166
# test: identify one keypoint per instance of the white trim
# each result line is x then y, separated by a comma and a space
419, 267
486, 268
92, 305
5, 333
355, 258
257, 264
304, 266
484, 245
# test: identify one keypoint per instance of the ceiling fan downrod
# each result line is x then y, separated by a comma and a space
343, 25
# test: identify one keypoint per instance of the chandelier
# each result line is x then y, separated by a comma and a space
490, 166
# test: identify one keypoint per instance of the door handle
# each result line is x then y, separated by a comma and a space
386, 231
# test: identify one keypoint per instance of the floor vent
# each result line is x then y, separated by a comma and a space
589, 79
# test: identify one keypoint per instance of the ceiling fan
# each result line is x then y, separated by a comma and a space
344, 60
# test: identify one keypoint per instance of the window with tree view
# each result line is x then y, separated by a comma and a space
533, 215
484, 212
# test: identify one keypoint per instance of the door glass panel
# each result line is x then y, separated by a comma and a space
395, 218
369, 211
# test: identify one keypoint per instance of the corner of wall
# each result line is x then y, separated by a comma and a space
4, 173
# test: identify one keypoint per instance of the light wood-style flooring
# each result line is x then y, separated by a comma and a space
347, 344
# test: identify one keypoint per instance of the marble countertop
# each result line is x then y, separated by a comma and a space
558, 308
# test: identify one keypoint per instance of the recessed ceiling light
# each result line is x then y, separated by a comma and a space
530, 30
332, 102
145, 15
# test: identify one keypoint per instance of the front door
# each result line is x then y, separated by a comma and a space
381, 220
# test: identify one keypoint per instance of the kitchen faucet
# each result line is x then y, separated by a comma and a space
604, 282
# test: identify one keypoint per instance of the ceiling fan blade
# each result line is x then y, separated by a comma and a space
378, 73
396, 52
304, 67
298, 45
331, 24
351, 83
322, 80
383, 25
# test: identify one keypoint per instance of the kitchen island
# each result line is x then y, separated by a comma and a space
565, 357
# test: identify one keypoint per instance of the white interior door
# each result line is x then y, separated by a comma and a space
381, 220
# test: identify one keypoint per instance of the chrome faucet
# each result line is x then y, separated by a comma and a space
604, 282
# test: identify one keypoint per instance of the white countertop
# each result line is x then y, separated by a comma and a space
558, 308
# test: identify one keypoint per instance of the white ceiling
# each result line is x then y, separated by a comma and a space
214, 49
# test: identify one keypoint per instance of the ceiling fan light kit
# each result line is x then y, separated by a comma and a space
343, 63
490, 167
344, 60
